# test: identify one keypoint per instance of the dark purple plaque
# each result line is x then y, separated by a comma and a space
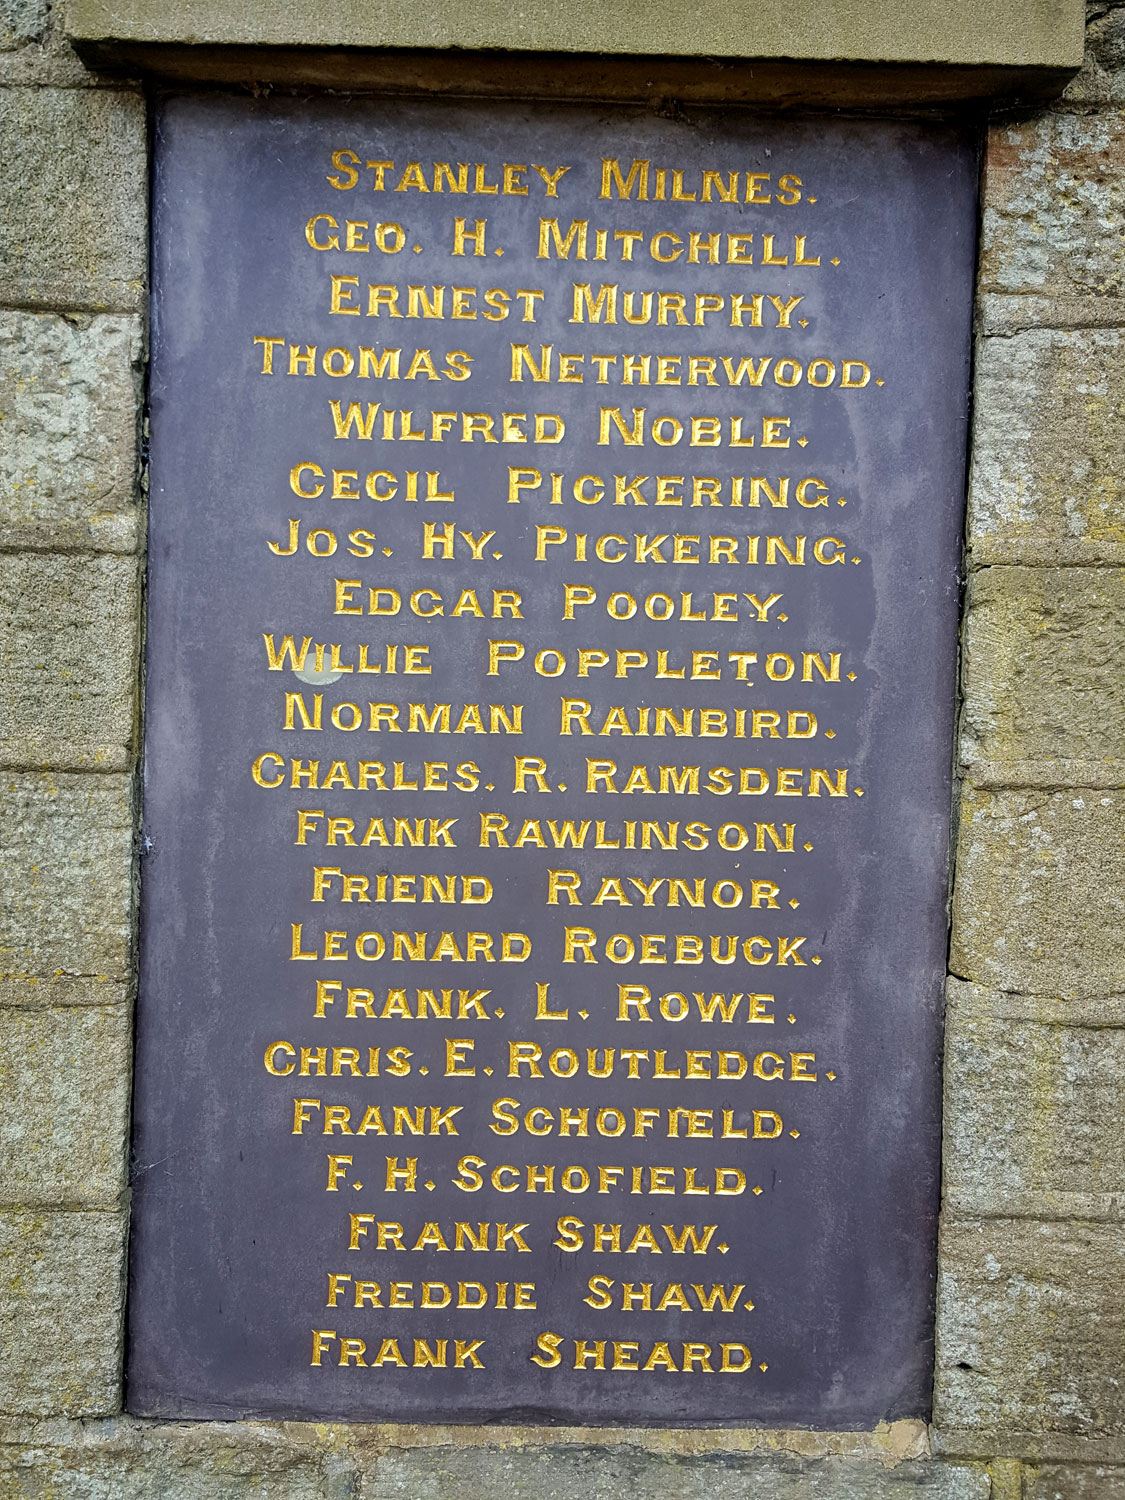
553, 592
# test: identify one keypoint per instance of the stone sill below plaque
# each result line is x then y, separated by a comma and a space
910, 52
887, 1445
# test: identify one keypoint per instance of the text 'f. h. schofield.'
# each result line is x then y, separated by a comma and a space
553, 584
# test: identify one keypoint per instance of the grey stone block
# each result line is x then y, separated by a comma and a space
1074, 1482
1031, 1447
561, 1473
69, 640
1039, 898
955, 31
73, 215
1045, 552
48, 991
1054, 206
198, 1461
1053, 775
1042, 674
1030, 1327
69, 394
1049, 436
1089, 1011
1002, 313
65, 1080
1034, 1116
21, 21
1102, 79
65, 870
62, 1287
50, 62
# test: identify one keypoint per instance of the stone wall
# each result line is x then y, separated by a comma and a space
1030, 1399
1031, 1318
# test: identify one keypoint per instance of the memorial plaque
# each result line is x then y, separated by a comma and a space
553, 593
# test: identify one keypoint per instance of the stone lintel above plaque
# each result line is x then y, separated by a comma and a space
836, 52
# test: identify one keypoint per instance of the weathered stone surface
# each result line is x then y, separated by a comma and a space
69, 395
1054, 206
1052, 775
1034, 1447
69, 635
1006, 1475
1034, 1116
1005, 313
1074, 1482
1039, 898
1049, 435
42, 992
204, 1461
127, 1460
64, 1078
346, 1448
956, 31
559, 1473
21, 21
65, 867
1042, 674
1102, 79
888, 1443
62, 1287
73, 227
49, 62
1039, 552
1089, 1011
1030, 1326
